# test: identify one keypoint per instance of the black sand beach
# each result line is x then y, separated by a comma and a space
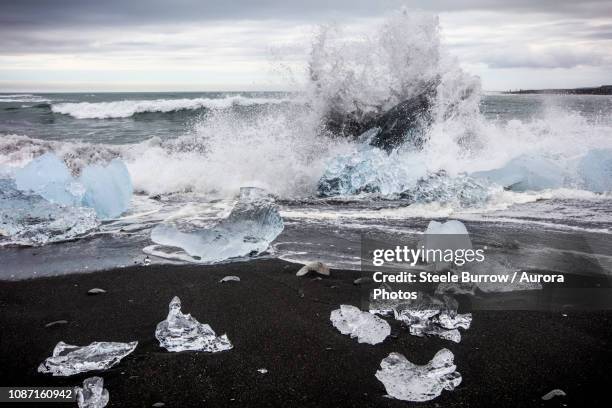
280, 322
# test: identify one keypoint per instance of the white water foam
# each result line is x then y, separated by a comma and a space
127, 108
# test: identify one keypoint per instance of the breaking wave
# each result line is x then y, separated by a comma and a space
286, 147
127, 108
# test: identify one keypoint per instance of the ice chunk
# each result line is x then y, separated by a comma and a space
410, 382
107, 189
525, 173
366, 170
29, 219
449, 235
367, 327
181, 332
595, 168
441, 188
69, 360
447, 228
50, 178
433, 316
253, 223
93, 394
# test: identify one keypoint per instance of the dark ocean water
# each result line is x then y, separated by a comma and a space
194, 150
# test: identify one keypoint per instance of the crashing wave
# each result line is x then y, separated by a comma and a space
127, 108
249, 229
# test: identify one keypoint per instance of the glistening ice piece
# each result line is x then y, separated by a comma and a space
180, 332
410, 382
366, 327
69, 360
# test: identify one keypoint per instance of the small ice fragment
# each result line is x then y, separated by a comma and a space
69, 360
96, 291
262, 371
108, 190
230, 278
554, 393
56, 323
367, 327
454, 322
93, 394
410, 382
181, 332
317, 267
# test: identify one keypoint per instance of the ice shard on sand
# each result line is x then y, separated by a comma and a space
365, 326
407, 381
92, 394
99, 355
181, 332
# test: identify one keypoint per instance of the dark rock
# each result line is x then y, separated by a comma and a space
405, 122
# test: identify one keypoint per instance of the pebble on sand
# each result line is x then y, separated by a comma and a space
56, 323
318, 267
554, 393
230, 278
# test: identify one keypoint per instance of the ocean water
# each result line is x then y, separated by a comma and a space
188, 154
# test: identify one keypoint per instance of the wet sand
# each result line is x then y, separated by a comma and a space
279, 322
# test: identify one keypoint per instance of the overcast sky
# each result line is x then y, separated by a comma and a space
155, 45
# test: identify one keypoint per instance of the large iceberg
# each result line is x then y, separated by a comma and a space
595, 169
525, 173
29, 219
108, 190
252, 225
92, 394
367, 327
407, 381
69, 360
180, 332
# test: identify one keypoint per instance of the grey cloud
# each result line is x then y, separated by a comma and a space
38, 13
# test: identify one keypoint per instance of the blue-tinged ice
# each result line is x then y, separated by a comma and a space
595, 168
107, 189
525, 173
252, 225
28, 219
49, 177
439, 187
407, 381
366, 170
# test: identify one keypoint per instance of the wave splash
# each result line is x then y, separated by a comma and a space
286, 147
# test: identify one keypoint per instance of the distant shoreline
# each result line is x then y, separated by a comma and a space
601, 90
